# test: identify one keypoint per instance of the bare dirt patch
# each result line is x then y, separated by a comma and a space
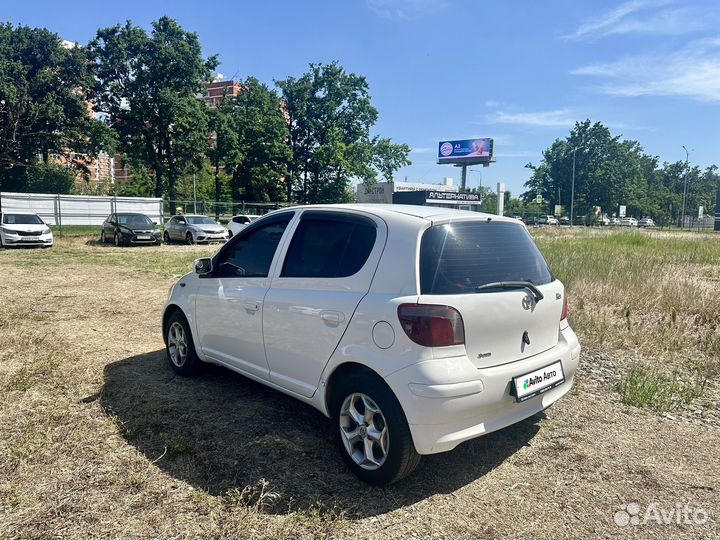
99, 438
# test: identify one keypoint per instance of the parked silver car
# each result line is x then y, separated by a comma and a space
192, 229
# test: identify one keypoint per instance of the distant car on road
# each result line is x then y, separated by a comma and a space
126, 228
238, 223
193, 229
646, 222
548, 220
615, 221
629, 222
24, 229
564, 220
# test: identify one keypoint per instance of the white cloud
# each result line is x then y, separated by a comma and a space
404, 9
558, 117
693, 71
642, 17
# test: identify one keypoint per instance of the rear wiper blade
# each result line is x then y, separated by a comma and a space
513, 285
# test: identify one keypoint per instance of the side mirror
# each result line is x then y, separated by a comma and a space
203, 266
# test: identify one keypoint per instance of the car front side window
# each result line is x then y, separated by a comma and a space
251, 254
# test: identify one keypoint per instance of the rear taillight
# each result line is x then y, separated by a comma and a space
431, 325
566, 310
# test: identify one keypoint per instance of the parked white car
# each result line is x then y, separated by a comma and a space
238, 223
548, 220
415, 328
646, 222
628, 222
24, 229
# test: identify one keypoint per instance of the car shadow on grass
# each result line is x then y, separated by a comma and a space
221, 432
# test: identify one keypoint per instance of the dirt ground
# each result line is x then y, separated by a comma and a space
98, 438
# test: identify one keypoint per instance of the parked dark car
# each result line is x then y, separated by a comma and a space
129, 228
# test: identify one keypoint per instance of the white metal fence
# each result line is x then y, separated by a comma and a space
79, 209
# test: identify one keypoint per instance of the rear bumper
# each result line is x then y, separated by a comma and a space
448, 401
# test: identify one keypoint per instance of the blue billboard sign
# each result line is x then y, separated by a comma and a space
467, 149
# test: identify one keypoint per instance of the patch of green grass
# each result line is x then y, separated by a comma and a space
76, 230
166, 261
642, 386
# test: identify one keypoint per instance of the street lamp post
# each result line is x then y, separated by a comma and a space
572, 191
687, 158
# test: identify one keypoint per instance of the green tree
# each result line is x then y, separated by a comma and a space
50, 178
43, 103
140, 184
224, 149
148, 86
331, 115
259, 163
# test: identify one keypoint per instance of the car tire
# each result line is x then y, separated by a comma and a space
116, 240
363, 405
179, 347
189, 240
166, 237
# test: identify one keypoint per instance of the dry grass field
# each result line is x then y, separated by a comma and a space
98, 438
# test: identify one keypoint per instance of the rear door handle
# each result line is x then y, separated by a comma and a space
252, 306
334, 317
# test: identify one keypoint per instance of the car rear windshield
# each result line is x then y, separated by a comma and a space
21, 219
456, 258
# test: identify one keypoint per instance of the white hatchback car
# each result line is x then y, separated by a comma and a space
414, 328
24, 229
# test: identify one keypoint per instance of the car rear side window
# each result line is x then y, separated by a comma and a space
456, 258
329, 247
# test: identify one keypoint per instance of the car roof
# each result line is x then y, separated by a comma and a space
20, 213
388, 211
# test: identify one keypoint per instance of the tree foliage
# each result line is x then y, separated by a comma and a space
259, 164
49, 177
331, 115
610, 172
43, 109
148, 85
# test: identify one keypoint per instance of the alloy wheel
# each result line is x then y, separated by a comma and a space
177, 344
364, 431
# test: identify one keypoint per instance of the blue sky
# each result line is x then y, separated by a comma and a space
521, 72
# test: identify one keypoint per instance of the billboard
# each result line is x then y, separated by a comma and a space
465, 150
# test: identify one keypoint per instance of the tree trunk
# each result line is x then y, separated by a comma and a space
217, 191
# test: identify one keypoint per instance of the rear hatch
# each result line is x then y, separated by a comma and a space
504, 322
